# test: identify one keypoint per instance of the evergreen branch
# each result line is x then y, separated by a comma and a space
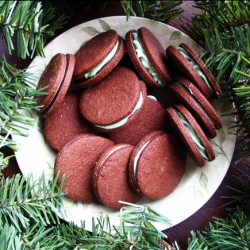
224, 52
17, 92
4, 161
36, 235
163, 11
139, 217
230, 233
30, 24
24, 201
241, 99
221, 15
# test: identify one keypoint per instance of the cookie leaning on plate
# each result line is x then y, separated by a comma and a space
192, 135
55, 80
157, 165
114, 102
148, 57
187, 62
187, 93
97, 58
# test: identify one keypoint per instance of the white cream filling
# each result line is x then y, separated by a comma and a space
193, 134
144, 60
136, 159
93, 72
111, 152
197, 67
124, 120
152, 97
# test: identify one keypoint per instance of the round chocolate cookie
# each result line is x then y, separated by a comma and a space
110, 177
197, 143
55, 80
77, 160
115, 101
188, 94
97, 58
152, 117
148, 57
157, 165
66, 122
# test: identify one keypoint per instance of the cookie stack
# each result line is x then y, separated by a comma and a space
114, 140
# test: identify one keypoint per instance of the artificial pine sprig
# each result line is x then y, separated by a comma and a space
141, 230
34, 233
230, 233
224, 52
17, 92
30, 23
163, 11
222, 15
241, 99
24, 201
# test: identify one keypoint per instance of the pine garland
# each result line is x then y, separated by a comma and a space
30, 23
17, 92
163, 11
31, 212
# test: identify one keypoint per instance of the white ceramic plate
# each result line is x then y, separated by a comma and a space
197, 185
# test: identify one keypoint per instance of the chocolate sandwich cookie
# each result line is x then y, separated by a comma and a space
152, 117
187, 93
110, 177
148, 57
197, 144
55, 80
97, 58
115, 101
188, 62
77, 160
66, 122
157, 165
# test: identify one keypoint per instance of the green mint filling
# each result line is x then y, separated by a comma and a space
142, 56
193, 134
196, 66
93, 72
124, 120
